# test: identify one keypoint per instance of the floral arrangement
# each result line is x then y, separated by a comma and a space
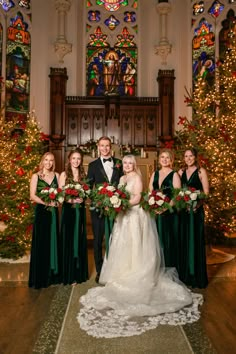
89, 147
110, 200
51, 195
76, 190
155, 202
129, 149
187, 197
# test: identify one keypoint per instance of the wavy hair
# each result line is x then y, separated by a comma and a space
68, 170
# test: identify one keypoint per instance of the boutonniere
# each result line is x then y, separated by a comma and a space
118, 165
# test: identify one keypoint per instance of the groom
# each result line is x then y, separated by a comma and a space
103, 169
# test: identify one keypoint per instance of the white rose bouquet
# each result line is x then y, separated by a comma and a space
155, 202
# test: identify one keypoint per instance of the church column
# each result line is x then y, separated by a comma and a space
164, 47
165, 80
61, 46
58, 79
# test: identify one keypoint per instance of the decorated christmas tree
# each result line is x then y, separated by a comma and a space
22, 145
212, 131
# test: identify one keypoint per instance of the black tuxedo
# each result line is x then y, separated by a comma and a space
97, 175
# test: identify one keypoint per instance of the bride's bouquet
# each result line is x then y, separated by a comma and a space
155, 202
76, 190
187, 198
51, 197
109, 200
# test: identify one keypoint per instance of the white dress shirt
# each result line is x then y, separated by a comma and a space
108, 167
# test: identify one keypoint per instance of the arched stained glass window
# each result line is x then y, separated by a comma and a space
111, 61
212, 35
15, 57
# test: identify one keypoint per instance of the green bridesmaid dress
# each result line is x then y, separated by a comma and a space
193, 269
44, 268
167, 223
74, 253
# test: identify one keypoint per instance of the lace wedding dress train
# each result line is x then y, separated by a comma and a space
139, 293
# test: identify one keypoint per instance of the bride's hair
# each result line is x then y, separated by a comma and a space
133, 160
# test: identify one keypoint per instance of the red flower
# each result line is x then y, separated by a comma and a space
86, 187
4, 217
52, 196
182, 120
169, 144
186, 198
191, 127
28, 149
10, 238
20, 172
44, 137
22, 207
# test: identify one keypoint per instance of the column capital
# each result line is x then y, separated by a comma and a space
163, 50
63, 5
61, 49
163, 8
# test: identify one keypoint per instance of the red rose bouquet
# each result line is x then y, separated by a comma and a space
110, 200
76, 190
187, 197
155, 202
51, 196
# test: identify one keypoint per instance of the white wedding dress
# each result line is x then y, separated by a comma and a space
139, 293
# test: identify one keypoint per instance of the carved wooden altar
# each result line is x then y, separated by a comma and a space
138, 121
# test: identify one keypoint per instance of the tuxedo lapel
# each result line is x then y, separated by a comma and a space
101, 169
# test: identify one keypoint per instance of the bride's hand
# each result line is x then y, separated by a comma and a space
160, 211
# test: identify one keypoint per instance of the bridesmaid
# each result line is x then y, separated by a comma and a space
44, 249
193, 270
73, 225
166, 179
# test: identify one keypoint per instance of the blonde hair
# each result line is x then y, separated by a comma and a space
169, 152
42, 160
133, 160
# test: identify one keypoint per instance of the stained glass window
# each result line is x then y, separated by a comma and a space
204, 51
227, 34
216, 9
112, 5
112, 59
198, 8
7, 4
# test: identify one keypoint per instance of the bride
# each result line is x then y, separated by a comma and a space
136, 283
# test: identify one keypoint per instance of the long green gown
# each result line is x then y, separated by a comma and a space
74, 253
193, 270
167, 223
44, 268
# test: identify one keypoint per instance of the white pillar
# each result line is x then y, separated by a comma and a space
164, 47
61, 46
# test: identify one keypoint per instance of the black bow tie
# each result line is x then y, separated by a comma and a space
105, 160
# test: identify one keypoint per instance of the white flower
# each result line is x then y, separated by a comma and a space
160, 194
160, 202
181, 193
52, 190
114, 200
44, 191
188, 192
117, 204
151, 201
100, 187
193, 196
110, 188
78, 186
61, 200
